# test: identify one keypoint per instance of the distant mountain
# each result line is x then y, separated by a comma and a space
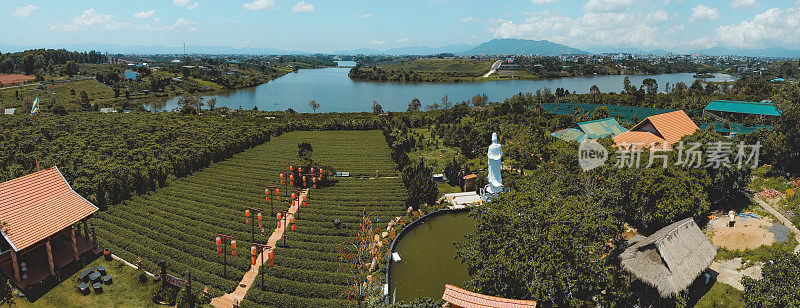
142, 49
403, 51
776, 52
522, 47
629, 50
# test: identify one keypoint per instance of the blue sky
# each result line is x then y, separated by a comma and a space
327, 25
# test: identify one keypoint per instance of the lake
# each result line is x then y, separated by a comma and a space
336, 92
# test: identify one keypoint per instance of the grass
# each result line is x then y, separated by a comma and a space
760, 254
466, 66
126, 291
721, 295
57, 92
177, 223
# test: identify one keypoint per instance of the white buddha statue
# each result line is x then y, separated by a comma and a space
495, 179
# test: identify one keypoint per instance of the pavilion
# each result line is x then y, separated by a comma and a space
41, 214
668, 261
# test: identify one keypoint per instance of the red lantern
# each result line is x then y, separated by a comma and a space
279, 224
271, 262
305, 203
278, 197
253, 260
259, 216
312, 169
233, 244
292, 227
291, 168
266, 191
253, 250
281, 182
278, 216
233, 253
315, 186
260, 225
267, 198
219, 245
269, 255
281, 176
300, 169
278, 192
247, 221
314, 180
291, 177
294, 196
247, 213
219, 250
291, 219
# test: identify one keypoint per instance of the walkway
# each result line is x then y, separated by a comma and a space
495, 66
780, 217
228, 300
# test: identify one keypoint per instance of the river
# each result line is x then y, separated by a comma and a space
336, 92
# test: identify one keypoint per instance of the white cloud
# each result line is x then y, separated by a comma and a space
178, 25
364, 16
185, 3
144, 14
605, 28
403, 40
259, 5
303, 7
740, 4
90, 19
542, 1
704, 13
469, 19
772, 27
607, 5
25, 11
377, 42
657, 16
675, 29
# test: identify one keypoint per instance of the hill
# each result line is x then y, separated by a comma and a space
522, 47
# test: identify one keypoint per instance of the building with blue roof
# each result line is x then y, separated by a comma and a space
590, 129
739, 109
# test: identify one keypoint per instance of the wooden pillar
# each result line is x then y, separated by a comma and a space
74, 243
50, 257
15, 264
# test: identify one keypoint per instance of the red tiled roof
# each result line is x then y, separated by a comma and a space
672, 126
38, 205
463, 298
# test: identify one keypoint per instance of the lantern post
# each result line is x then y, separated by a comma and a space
286, 177
259, 249
248, 211
271, 189
221, 242
286, 220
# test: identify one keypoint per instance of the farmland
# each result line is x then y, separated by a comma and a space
177, 223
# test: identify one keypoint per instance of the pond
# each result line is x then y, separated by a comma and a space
426, 253
336, 92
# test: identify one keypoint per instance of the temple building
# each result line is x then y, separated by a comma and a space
661, 130
44, 227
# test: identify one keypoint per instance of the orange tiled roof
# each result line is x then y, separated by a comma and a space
672, 126
463, 298
38, 205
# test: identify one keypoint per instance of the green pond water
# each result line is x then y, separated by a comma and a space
426, 253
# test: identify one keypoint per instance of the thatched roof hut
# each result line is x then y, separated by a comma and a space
670, 259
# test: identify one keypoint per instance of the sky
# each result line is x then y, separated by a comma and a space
328, 25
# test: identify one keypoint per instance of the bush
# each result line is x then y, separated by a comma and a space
165, 293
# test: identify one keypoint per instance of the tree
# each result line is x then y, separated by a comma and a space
543, 243
212, 103
83, 100
600, 112
480, 100
626, 85
190, 102
446, 102
414, 105
651, 86
778, 286
314, 105
304, 151
594, 89
420, 187
70, 69
435, 106
6, 292
783, 144
376, 108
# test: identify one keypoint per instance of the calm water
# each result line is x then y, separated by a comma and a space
336, 92
426, 254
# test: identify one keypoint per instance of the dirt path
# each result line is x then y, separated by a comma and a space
228, 300
781, 218
728, 272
